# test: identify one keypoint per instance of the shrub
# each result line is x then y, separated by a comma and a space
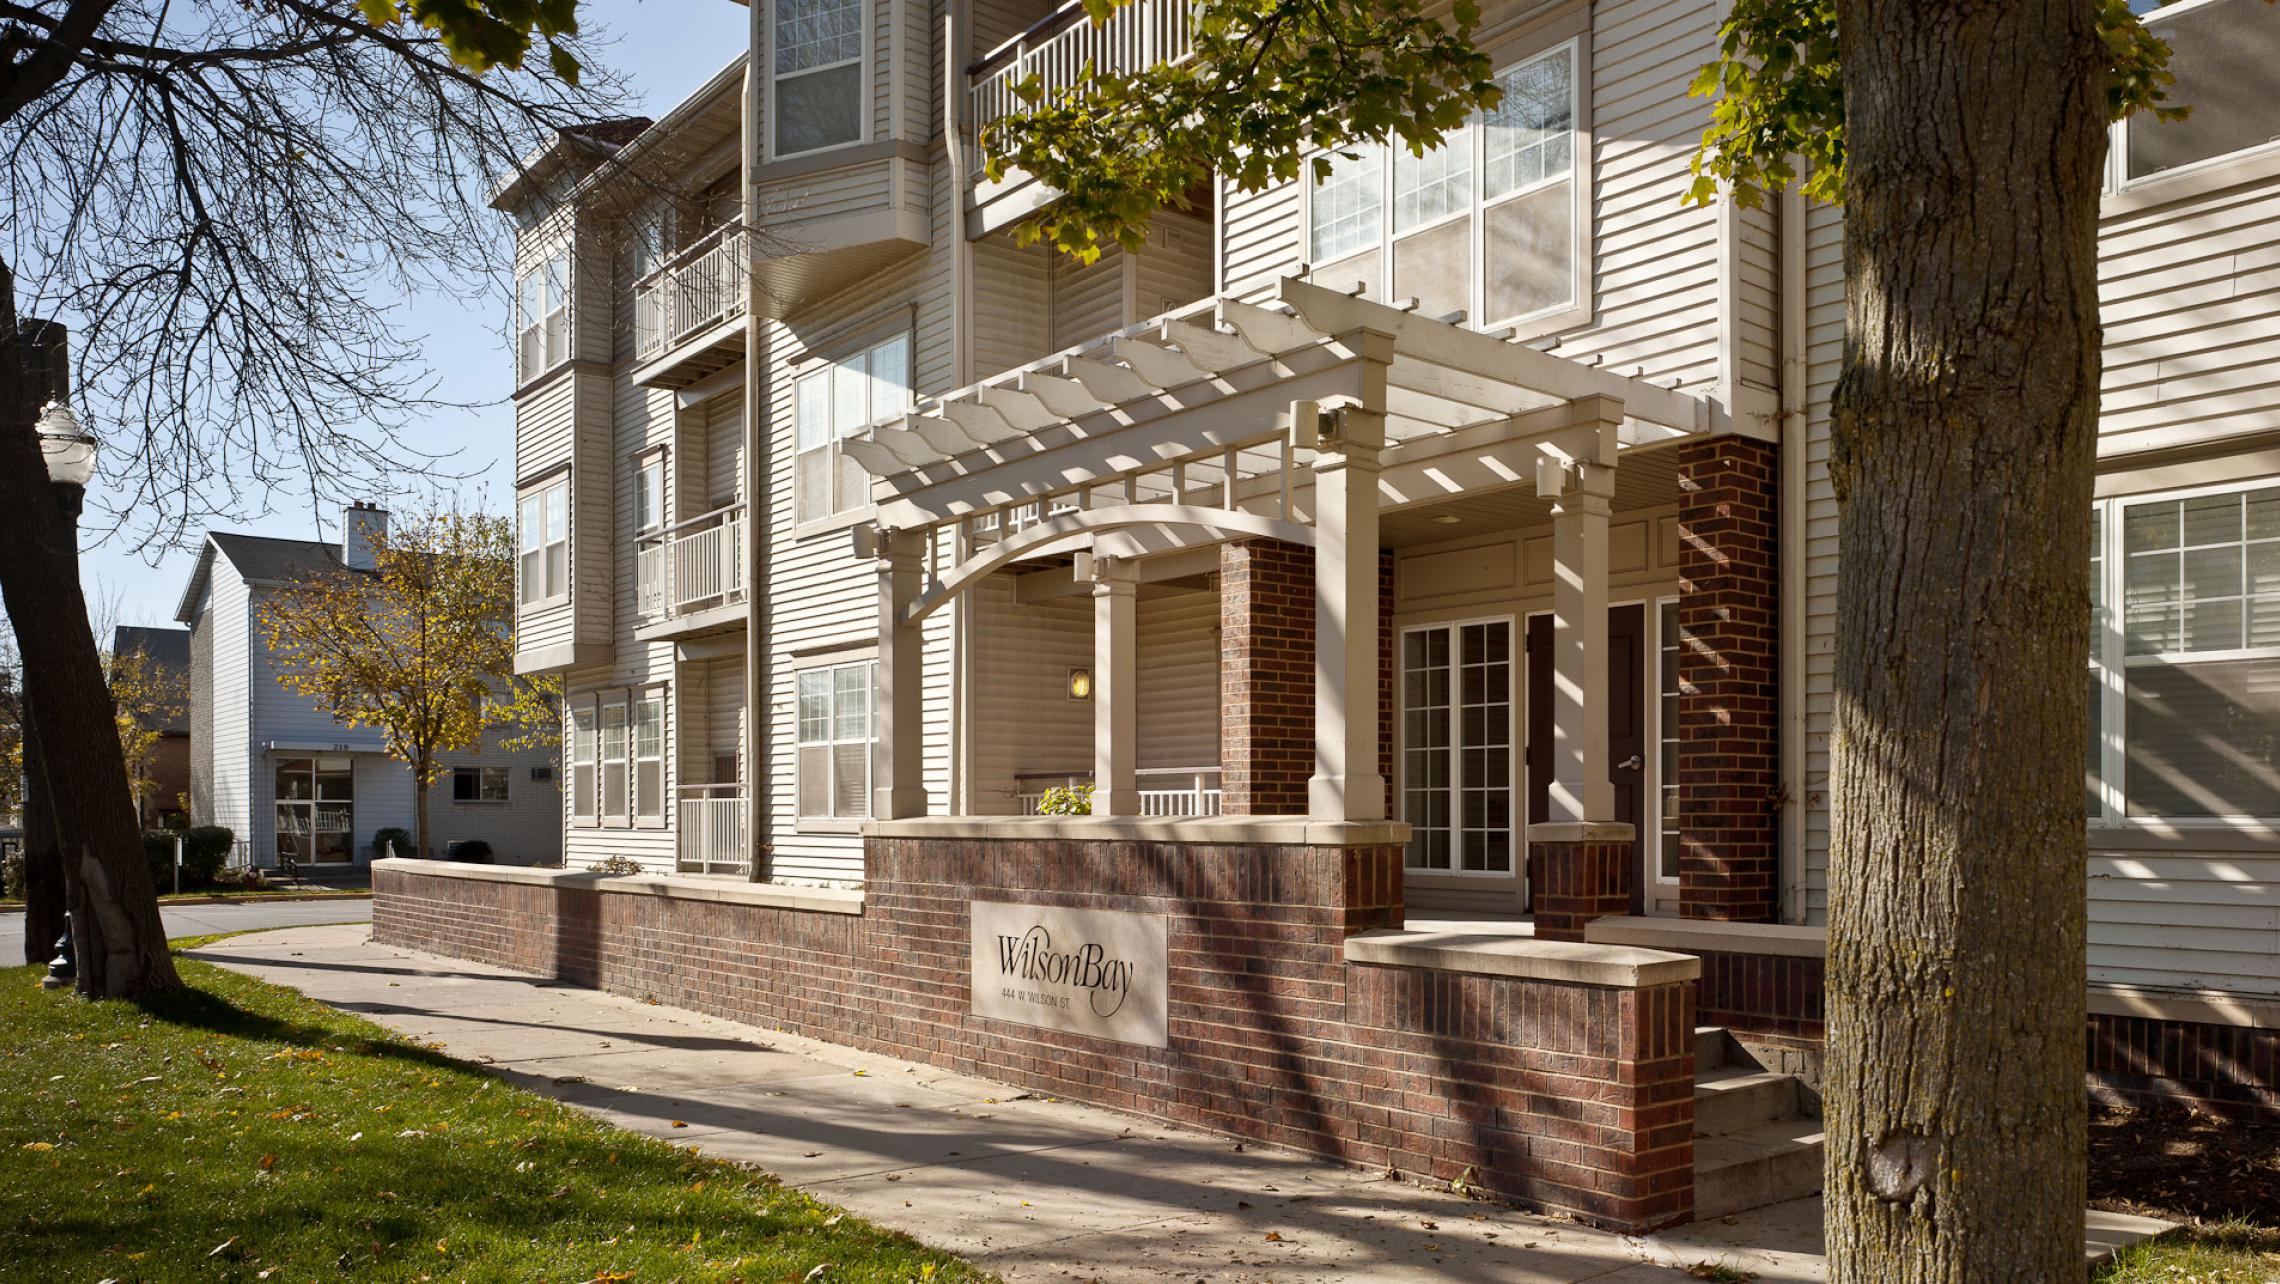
474, 851
205, 849
1071, 800
616, 865
395, 835
12, 876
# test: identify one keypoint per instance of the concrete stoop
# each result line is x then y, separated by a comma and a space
1756, 1140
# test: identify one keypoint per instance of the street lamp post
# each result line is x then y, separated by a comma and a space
68, 449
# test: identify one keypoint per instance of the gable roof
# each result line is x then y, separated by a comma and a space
259, 559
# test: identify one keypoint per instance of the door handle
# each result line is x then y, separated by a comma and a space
1632, 763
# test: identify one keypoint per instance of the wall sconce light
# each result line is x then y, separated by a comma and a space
1080, 684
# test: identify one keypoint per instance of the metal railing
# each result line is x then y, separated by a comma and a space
691, 565
711, 837
1062, 50
700, 287
1197, 791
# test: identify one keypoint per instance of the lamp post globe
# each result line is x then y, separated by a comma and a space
66, 445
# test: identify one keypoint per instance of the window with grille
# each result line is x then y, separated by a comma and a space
542, 543
820, 95
1456, 746
542, 317
584, 800
835, 740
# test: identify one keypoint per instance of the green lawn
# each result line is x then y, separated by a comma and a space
243, 1132
2230, 1253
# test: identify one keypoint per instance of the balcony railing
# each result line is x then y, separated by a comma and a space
712, 836
693, 566
1064, 48
699, 288
1164, 791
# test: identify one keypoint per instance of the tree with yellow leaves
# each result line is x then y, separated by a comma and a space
146, 698
419, 648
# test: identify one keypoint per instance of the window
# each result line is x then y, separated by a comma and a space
614, 760
836, 401
584, 800
2185, 676
543, 544
478, 784
2222, 53
819, 97
1456, 746
1485, 224
649, 494
649, 758
542, 317
835, 734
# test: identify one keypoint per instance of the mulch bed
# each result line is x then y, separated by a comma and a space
2184, 1166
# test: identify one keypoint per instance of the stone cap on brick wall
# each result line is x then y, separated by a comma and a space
1217, 831
1710, 936
682, 887
1523, 958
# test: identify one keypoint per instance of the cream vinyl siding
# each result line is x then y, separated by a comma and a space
723, 420
1757, 290
1824, 355
2185, 920
996, 21
2189, 295
1087, 298
1012, 312
851, 189
1179, 679
1023, 717
1175, 269
1261, 238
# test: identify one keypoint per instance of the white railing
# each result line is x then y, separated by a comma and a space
1061, 51
701, 287
712, 838
691, 566
1196, 793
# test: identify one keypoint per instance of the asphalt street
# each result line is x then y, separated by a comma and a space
204, 920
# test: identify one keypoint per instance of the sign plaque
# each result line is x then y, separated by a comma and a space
1101, 973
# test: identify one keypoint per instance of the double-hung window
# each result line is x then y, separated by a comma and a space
542, 542
478, 784
614, 759
2185, 675
819, 92
835, 738
2222, 53
584, 799
649, 757
836, 401
1486, 224
649, 494
542, 316
1456, 746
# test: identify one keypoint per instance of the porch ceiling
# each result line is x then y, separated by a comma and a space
1648, 478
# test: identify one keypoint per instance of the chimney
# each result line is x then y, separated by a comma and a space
360, 525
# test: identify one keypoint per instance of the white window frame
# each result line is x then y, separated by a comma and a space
2111, 661
870, 90
554, 491
1657, 733
648, 465
584, 755
620, 815
1578, 309
829, 673
1516, 781
2118, 178
826, 375
544, 341
483, 776
647, 698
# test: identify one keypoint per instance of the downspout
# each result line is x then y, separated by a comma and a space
961, 373
1792, 536
757, 670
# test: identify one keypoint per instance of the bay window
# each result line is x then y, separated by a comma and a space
835, 739
2186, 657
542, 544
1486, 224
835, 401
542, 316
818, 91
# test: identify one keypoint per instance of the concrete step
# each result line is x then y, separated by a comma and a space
1766, 1163
1734, 1098
1710, 1046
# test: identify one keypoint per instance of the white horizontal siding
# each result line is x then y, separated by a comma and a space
1024, 720
1178, 644
2185, 920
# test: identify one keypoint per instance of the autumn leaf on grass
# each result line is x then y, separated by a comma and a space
269, 1163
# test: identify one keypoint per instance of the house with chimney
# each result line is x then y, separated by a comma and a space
295, 786
1425, 576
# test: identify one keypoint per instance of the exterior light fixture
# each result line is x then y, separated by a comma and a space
1447, 519
66, 445
1080, 684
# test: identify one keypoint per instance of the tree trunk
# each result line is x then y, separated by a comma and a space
1966, 422
117, 937
44, 897
419, 809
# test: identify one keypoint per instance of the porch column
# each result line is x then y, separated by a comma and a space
1347, 784
1116, 682
1581, 856
898, 784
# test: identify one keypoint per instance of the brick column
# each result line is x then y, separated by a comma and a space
1266, 677
1582, 874
1729, 747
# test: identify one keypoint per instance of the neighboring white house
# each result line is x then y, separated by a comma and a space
288, 779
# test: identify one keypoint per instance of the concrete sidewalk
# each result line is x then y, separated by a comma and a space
1030, 1188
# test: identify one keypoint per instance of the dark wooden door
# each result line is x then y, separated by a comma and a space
1626, 724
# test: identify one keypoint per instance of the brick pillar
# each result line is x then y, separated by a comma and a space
1729, 746
1266, 677
1580, 879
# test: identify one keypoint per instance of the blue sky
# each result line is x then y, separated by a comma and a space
665, 48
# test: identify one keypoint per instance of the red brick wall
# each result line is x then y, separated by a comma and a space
2227, 1070
1778, 996
1729, 750
1578, 882
1565, 1097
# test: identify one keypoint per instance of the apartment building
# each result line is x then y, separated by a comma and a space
1431, 569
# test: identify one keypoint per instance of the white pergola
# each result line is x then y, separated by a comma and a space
1303, 421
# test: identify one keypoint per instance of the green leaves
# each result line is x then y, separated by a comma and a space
1268, 82
482, 34
1780, 96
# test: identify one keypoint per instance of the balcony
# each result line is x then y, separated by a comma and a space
1062, 50
688, 316
688, 579
1164, 791
711, 838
